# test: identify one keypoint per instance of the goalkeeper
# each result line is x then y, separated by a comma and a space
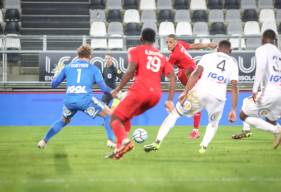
80, 76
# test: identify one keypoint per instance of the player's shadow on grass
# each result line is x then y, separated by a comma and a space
61, 162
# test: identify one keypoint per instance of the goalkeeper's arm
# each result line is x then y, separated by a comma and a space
58, 79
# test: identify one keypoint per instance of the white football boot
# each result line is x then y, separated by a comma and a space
42, 144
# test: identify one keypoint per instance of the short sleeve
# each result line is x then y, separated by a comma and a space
132, 55
184, 44
261, 59
203, 61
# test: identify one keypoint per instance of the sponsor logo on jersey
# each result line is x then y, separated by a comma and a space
217, 78
76, 89
275, 78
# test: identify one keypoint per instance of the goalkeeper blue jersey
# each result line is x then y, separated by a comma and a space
80, 76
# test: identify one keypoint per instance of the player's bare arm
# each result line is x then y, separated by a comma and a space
234, 98
169, 103
211, 45
126, 77
195, 75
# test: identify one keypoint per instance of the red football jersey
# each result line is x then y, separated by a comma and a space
181, 58
151, 64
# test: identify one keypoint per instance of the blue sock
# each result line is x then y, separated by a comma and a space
54, 129
109, 131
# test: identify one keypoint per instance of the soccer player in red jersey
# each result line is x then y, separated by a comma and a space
146, 65
185, 63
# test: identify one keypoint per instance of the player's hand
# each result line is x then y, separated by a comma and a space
232, 116
58, 68
212, 45
169, 105
182, 97
114, 93
254, 96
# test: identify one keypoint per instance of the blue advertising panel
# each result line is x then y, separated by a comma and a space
27, 109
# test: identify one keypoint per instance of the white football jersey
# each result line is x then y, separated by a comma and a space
268, 69
219, 70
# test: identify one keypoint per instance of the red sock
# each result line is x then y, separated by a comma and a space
127, 125
119, 131
196, 120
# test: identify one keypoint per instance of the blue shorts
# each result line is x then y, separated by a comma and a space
93, 108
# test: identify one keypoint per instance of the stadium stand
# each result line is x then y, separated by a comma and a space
182, 15
232, 4
216, 15
114, 15
215, 4
232, 15
147, 4
114, 4
97, 4
199, 16
248, 4
181, 4
165, 15
265, 4
55, 18
131, 16
75, 17
198, 5
130, 4
217, 28
277, 4
164, 4
97, 15
183, 28
148, 16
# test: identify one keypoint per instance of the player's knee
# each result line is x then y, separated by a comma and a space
242, 116
271, 121
66, 120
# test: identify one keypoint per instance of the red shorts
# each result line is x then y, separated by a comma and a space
183, 75
135, 103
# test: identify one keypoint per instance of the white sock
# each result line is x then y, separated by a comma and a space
209, 135
246, 126
167, 125
262, 124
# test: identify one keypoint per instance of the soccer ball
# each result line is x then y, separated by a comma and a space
140, 135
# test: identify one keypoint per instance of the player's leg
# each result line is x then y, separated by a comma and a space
134, 104
190, 106
252, 112
56, 127
99, 108
163, 131
195, 134
120, 123
183, 76
215, 110
259, 123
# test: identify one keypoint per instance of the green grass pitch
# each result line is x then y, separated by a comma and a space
74, 161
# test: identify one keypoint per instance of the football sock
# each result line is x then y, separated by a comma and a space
246, 127
119, 131
196, 120
209, 134
127, 125
261, 124
167, 125
54, 129
108, 129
